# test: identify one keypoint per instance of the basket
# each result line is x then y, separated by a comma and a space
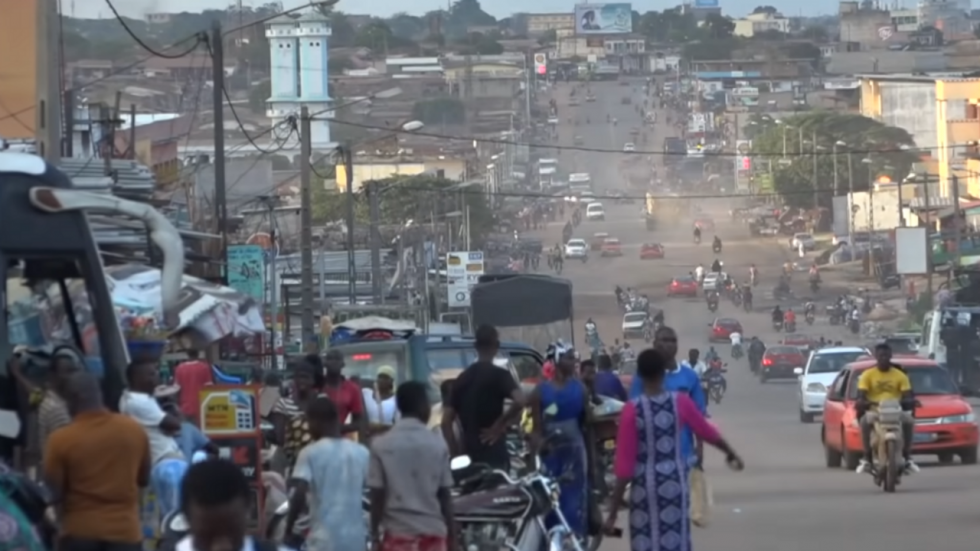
144, 351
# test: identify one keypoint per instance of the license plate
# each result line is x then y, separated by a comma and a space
924, 437
610, 444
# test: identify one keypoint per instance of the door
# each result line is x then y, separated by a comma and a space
833, 412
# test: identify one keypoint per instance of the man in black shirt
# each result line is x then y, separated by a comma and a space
477, 400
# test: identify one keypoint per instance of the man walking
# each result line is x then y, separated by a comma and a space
410, 480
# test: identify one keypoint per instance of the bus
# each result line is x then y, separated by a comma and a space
579, 182
547, 173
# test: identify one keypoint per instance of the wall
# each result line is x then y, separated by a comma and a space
885, 62
863, 27
18, 89
455, 169
912, 106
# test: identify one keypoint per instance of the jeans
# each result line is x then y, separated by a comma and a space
68, 543
165, 479
868, 424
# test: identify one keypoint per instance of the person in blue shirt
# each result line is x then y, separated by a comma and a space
607, 383
679, 378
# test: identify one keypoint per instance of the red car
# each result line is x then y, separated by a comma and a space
779, 362
611, 247
722, 329
651, 250
798, 339
684, 286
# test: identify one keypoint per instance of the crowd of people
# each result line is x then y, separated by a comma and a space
97, 463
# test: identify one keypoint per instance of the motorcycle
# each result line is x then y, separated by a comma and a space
790, 326
713, 384
810, 317
497, 510
777, 326
605, 419
697, 239
712, 306
854, 325
886, 445
814, 285
716, 247
737, 352
835, 316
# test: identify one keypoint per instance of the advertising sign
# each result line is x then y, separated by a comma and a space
744, 148
229, 416
246, 270
463, 271
911, 251
705, 3
603, 18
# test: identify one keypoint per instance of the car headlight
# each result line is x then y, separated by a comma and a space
816, 387
951, 419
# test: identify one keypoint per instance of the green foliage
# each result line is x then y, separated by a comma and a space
670, 25
700, 50
480, 44
465, 14
439, 111
549, 37
765, 9
865, 138
718, 27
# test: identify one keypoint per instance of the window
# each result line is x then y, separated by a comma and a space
840, 384
832, 363
527, 366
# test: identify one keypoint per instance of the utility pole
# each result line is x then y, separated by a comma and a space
69, 104
374, 211
306, 229
957, 221
816, 193
850, 195
930, 292
48, 115
348, 158
218, 108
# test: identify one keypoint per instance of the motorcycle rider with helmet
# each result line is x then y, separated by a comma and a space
711, 297
777, 315
809, 309
885, 381
716, 244
789, 318
699, 273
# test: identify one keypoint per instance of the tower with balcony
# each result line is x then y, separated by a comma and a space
313, 34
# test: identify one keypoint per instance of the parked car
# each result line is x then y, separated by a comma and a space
781, 362
945, 424
634, 325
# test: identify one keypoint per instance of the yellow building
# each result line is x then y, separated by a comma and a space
367, 169
756, 23
941, 114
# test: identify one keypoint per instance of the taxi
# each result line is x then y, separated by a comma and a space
650, 251
612, 247
945, 424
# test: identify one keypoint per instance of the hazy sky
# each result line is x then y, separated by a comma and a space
498, 8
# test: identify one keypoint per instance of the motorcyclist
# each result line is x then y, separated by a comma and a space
885, 381
777, 314
697, 233
716, 266
789, 317
699, 273
736, 339
809, 309
756, 350
627, 352
658, 318
590, 326
716, 244
711, 355
712, 299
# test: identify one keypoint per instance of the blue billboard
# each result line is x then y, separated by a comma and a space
705, 3
603, 18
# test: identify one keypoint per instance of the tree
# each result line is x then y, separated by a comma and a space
481, 44
419, 197
407, 27
765, 9
717, 26
549, 37
793, 174
342, 32
671, 25
439, 111
803, 50
465, 14
722, 48
769, 34
376, 35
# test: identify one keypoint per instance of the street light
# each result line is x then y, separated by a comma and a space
838, 143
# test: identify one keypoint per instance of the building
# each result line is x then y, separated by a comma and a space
949, 16
299, 58
480, 79
380, 167
756, 23
941, 114
155, 143
905, 21
540, 23
159, 18
409, 67
18, 94
866, 25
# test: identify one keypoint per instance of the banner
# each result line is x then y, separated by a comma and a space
603, 18
246, 270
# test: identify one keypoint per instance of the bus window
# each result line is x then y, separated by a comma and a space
446, 358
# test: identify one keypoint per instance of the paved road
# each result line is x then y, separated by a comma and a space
786, 498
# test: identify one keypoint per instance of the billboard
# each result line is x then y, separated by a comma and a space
603, 18
705, 3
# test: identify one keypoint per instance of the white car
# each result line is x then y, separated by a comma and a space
595, 211
712, 281
634, 324
576, 248
629, 147
805, 239
820, 371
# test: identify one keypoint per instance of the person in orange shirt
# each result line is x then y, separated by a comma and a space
95, 466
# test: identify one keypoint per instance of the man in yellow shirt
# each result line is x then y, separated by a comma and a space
885, 381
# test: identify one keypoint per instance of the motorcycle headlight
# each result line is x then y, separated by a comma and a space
816, 387
952, 419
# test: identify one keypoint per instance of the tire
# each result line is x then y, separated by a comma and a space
968, 456
832, 457
891, 474
806, 418
851, 459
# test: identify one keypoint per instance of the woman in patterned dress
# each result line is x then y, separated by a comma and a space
648, 456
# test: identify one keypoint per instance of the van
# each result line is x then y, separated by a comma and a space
594, 211
931, 342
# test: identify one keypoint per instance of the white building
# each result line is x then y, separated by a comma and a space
299, 73
756, 23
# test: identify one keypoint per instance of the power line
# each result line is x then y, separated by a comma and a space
200, 36
558, 147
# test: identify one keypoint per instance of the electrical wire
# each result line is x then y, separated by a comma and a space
200, 35
558, 147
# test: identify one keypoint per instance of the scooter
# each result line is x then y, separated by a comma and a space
810, 318
814, 285
777, 326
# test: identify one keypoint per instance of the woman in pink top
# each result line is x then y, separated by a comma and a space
648, 455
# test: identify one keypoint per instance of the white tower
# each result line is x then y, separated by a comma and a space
284, 71
313, 33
